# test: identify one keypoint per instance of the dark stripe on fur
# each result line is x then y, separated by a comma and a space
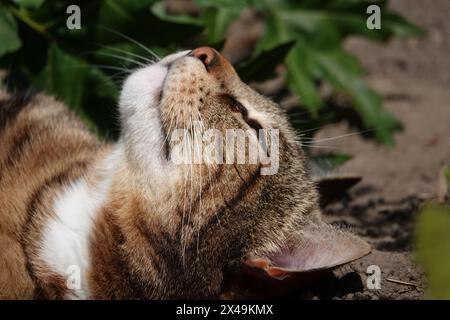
206, 189
231, 204
19, 143
120, 261
27, 134
11, 107
34, 203
169, 262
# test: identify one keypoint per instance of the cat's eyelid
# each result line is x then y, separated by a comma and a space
237, 104
250, 115
253, 114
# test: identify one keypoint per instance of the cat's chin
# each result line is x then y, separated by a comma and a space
141, 124
142, 127
143, 88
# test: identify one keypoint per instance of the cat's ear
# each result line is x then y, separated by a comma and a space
316, 247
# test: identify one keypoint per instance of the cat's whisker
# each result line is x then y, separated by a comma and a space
296, 113
198, 136
106, 54
311, 129
184, 198
133, 41
118, 78
319, 147
187, 145
115, 79
191, 146
212, 185
169, 129
134, 197
122, 74
313, 140
299, 113
300, 121
190, 173
102, 66
147, 60
123, 71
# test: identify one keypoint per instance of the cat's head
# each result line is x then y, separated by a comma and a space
232, 163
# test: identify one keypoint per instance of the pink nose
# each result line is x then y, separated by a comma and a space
215, 63
205, 54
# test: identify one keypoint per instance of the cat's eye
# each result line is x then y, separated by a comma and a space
234, 105
237, 107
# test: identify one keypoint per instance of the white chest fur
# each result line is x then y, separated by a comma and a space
65, 241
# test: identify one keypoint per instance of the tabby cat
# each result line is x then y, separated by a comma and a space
84, 219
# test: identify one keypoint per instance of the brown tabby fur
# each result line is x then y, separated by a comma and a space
146, 244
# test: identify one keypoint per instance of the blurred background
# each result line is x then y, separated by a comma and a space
371, 104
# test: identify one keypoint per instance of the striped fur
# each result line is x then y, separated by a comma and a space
136, 225
43, 146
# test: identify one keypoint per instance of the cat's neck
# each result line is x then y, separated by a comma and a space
116, 224
139, 233
66, 237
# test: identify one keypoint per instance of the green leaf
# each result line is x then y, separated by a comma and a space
262, 66
104, 86
433, 247
217, 20
215, 16
399, 26
121, 16
43, 16
29, 4
223, 3
124, 55
159, 10
316, 30
330, 161
9, 39
349, 20
136, 20
341, 70
100, 100
447, 172
63, 76
319, 30
301, 81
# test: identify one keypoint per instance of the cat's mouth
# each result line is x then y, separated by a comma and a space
150, 97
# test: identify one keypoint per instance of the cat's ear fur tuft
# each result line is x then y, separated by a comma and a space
315, 247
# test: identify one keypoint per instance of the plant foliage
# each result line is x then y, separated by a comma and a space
84, 67
433, 247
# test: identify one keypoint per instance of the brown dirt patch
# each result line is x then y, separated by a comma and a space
414, 78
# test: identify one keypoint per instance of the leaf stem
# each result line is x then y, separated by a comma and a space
24, 16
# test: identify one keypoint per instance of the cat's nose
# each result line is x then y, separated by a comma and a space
206, 55
214, 62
